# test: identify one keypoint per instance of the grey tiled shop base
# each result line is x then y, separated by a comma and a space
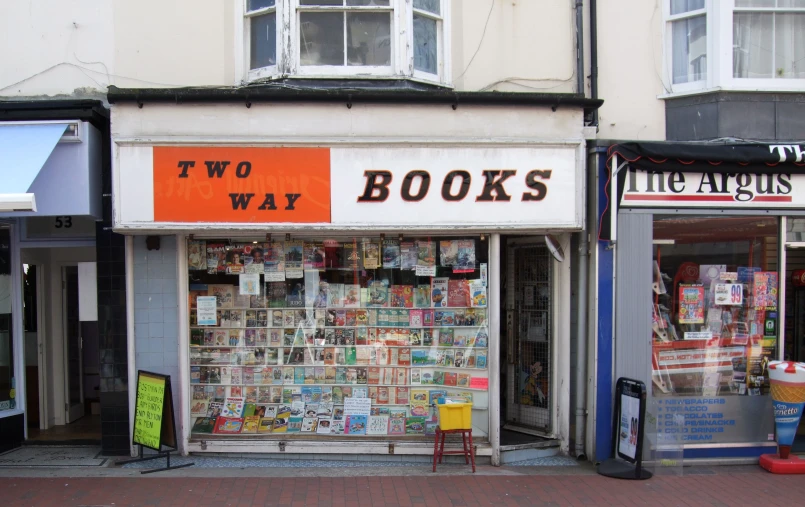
251, 460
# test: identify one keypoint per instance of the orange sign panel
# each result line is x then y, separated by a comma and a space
241, 185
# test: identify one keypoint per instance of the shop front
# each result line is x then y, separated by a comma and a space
703, 236
326, 293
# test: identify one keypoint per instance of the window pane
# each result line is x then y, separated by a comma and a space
791, 3
689, 49
259, 4
264, 40
368, 38
321, 2
680, 6
6, 336
425, 44
753, 38
369, 3
789, 47
430, 5
321, 38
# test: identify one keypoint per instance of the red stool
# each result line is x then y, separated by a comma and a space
438, 446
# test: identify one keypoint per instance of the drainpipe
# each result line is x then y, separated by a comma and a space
580, 410
594, 56
579, 47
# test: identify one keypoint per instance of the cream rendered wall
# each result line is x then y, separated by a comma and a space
79, 47
56, 47
630, 69
529, 45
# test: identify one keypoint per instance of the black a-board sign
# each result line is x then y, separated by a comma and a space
627, 432
154, 423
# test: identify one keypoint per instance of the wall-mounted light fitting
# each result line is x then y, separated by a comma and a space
401, 238
287, 237
382, 237
483, 237
268, 237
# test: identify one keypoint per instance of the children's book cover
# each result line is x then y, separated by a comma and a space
355, 425
448, 252
228, 425
450, 378
765, 290
396, 426
204, 425
352, 296
415, 425
691, 304
294, 424
480, 359
323, 425
233, 407
378, 425
281, 422
335, 295
465, 257
425, 253
378, 294
422, 296
266, 425
445, 337
458, 294
250, 424
309, 425
276, 293
391, 254
439, 293
477, 294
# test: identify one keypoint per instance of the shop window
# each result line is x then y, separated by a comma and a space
344, 38
7, 380
714, 324
353, 336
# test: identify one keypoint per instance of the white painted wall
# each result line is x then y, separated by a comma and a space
630, 59
78, 47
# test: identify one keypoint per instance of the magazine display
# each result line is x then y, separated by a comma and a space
338, 338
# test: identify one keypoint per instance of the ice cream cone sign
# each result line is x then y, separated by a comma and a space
787, 380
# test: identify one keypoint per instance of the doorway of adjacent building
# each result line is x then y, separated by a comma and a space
527, 348
61, 355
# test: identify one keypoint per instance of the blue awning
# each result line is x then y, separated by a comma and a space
24, 149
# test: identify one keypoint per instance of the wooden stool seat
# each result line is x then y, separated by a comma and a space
468, 451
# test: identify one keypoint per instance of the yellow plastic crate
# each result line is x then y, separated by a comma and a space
455, 416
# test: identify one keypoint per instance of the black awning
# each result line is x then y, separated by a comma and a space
708, 157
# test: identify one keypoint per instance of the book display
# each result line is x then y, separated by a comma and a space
354, 337
713, 327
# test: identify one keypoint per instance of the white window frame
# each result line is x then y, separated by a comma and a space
720, 53
668, 42
752, 84
289, 50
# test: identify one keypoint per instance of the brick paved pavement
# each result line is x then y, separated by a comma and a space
714, 486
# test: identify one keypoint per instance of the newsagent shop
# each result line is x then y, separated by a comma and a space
709, 262
314, 277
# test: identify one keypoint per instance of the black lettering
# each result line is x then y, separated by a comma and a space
759, 188
711, 182
784, 184
268, 202
539, 188
632, 180
494, 183
463, 190
240, 200
743, 181
291, 200
185, 165
216, 168
650, 181
372, 185
243, 169
725, 183
675, 179
424, 185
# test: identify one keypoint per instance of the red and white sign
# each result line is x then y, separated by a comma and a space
690, 360
657, 189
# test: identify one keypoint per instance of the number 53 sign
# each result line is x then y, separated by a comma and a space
729, 294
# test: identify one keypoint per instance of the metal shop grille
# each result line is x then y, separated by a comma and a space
529, 345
